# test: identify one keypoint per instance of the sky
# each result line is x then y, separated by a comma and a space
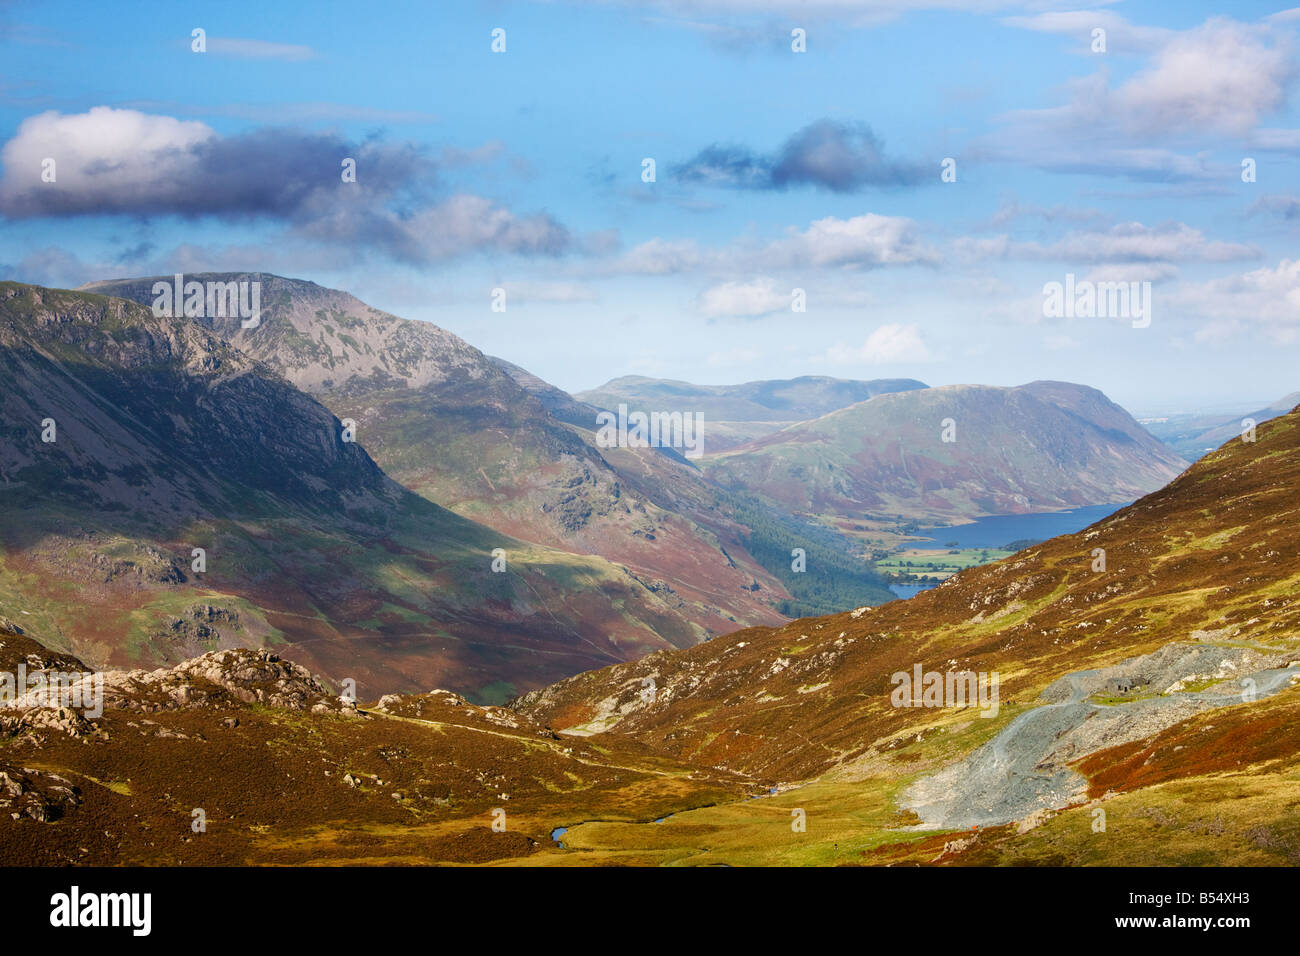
892, 200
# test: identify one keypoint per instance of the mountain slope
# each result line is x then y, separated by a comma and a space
735, 414
167, 438
1041, 447
456, 427
287, 774
1113, 679
1124, 722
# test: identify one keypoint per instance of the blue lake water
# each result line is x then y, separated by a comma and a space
997, 531
909, 590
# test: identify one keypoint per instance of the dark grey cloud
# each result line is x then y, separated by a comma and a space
112, 162
840, 157
272, 173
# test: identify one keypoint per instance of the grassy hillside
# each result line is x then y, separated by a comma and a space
946, 454
168, 439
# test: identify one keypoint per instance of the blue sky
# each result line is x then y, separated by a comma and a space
775, 170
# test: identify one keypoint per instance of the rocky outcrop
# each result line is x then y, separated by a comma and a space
219, 679
36, 795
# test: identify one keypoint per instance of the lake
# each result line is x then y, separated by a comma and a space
997, 531
909, 590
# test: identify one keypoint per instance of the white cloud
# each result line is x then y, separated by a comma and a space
123, 162
658, 257
888, 344
868, 241
1222, 77
131, 155
1121, 36
750, 299
1124, 243
1266, 299
865, 242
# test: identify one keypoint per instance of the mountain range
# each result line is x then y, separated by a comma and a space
1146, 712
736, 414
1192, 435
406, 511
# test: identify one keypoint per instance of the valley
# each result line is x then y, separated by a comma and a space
497, 617
1142, 692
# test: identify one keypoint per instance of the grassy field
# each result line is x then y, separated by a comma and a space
938, 563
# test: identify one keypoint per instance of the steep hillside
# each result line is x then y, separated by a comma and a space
1147, 686
456, 427
960, 451
164, 438
1148, 713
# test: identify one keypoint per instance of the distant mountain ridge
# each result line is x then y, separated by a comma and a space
1193, 435
776, 400
954, 452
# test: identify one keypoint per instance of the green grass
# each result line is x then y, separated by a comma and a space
941, 562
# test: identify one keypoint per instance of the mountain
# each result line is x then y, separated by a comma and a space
1154, 696
735, 414
1193, 435
1148, 713
163, 437
455, 426
1044, 446
782, 400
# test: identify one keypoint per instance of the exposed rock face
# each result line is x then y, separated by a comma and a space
218, 679
36, 795
156, 413
22, 719
248, 676
177, 460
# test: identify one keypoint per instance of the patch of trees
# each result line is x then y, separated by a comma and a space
836, 578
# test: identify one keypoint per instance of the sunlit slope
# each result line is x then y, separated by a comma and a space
166, 438
955, 452
1210, 559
